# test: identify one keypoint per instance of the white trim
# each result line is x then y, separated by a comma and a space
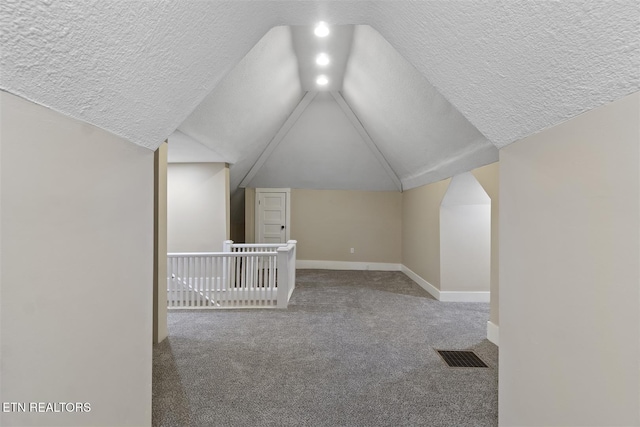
347, 265
272, 190
435, 292
225, 307
493, 333
446, 296
462, 296
287, 207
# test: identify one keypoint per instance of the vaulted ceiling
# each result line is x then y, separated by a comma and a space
419, 91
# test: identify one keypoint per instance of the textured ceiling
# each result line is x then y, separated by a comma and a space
504, 69
514, 68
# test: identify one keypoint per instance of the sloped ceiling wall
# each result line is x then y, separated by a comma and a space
323, 151
419, 133
414, 126
241, 115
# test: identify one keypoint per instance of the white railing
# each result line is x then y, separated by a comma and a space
243, 275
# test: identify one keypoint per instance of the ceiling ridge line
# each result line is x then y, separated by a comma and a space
278, 137
355, 122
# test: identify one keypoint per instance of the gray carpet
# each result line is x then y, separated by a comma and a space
355, 348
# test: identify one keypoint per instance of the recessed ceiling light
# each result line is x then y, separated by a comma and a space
322, 59
321, 29
322, 80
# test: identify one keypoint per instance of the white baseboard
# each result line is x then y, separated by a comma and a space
435, 292
453, 296
446, 296
493, 333
346, 265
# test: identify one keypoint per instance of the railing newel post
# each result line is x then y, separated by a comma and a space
282, 271
227, 246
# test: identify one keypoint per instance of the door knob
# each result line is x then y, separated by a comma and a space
282, 227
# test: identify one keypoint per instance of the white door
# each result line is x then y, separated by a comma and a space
272, 221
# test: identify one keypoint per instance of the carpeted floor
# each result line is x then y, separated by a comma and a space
355, 348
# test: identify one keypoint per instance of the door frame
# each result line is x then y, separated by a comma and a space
287, 203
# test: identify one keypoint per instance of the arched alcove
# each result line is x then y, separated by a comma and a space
465, 236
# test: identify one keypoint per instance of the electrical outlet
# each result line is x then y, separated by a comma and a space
353, 250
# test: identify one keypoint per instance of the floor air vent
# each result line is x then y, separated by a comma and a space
461, 359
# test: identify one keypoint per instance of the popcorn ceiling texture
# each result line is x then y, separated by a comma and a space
135, 68
139, 68
515, 68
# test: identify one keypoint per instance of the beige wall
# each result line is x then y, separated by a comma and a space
160, 244
489, 177
77, 269
250, 215
569, 277
227, 199
421, 230
327, 223
197, 206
